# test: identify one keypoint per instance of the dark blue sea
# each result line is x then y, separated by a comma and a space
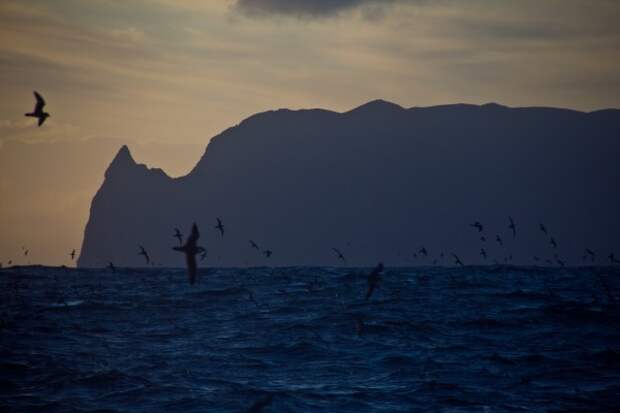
475, 339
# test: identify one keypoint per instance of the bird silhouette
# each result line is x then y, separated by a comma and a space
423, 251
267, 253
254, 245
543, 229
339, 255
260, 404
373, 279
190, 249
553, 243
38, 109
220, 227
72, 255
477, 225
512, 227
499, 240
178, 235
145, 254
457, 260
483, 253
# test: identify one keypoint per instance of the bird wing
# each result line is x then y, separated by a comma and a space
191, 268
40, 102
41, 120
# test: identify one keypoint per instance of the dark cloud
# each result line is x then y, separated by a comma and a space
309, 8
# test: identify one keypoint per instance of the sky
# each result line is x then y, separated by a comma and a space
164, 76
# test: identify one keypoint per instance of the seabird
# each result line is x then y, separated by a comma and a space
373, 279
339, 255
457, 260
190, 249
146, 255
254, 245
38, 109
178, 235
220, 227
543, 228
512, 227
423, 251
477, 225
267, 253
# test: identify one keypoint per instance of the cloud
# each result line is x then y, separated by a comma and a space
310, 8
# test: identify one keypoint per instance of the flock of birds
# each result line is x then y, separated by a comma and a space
191, 249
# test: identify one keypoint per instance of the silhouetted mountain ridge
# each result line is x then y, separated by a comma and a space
380, 179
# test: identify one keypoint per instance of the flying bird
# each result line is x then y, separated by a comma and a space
553, 243
220, 227
254, 245
499, 240
178, 235
512, 227
339, 255
543, 229
38, 109
483, 253
457, 260
267, 253
190, 249
373, 279
423, 251
477, 225
72, 255
145, 254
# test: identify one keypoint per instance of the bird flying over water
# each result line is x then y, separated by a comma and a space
220, 227
373, 279
339, 255
512, 227
254, 245
543, 228
267, 253
477, 225
457, 260
145, 254
178, 235
38, 109
190, 249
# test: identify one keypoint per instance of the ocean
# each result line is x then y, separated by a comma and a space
302, 339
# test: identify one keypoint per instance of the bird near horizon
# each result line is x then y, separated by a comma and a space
477, 225
190, 249
457, 260
543, 229
339, 255
267, 253
373, 279
512, 227
145, 254
220, 227
38, 109
254, 245
178, 235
